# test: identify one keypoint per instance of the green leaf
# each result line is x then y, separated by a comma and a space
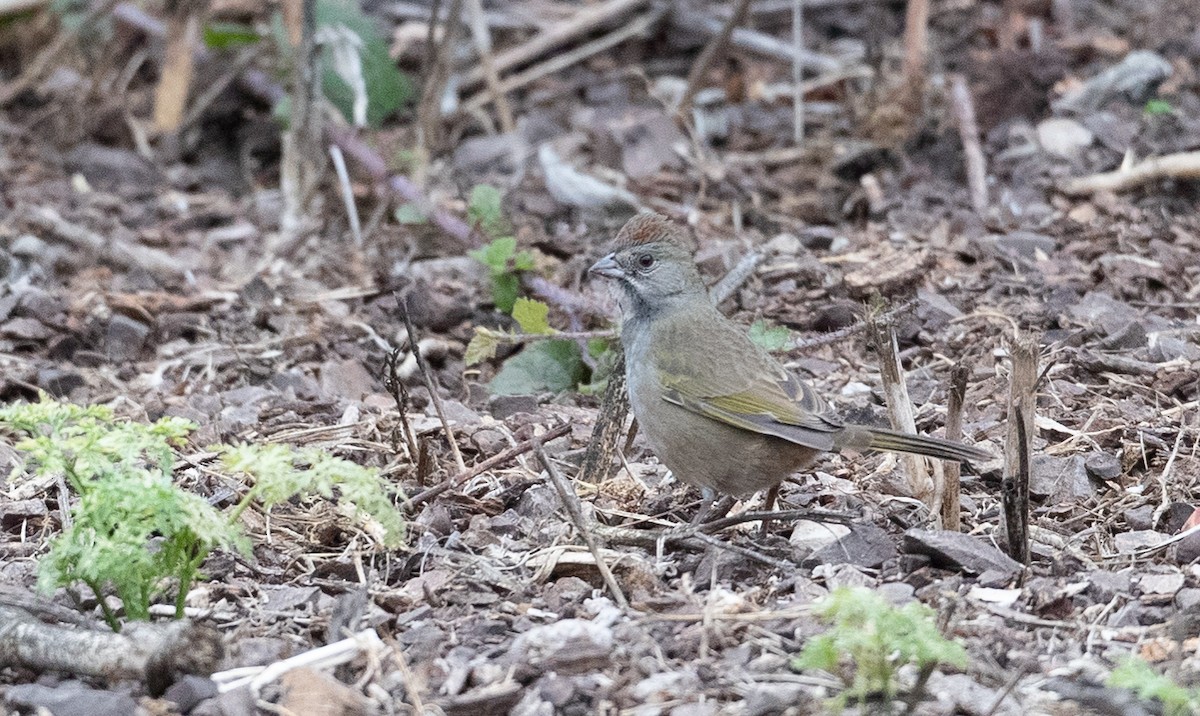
482, 346
1157, 107
533, 316
387, 89
545, 366
484, 208
222, 35
1141, 678
495, 254
769, 338
410, 214
505, 289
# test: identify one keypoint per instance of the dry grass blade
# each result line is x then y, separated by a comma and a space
968, 132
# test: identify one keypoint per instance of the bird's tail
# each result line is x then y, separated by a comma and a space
892, 441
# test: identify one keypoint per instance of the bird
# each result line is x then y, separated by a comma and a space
717, 410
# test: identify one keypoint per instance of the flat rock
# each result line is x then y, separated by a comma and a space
566, 646
815, 535
958, 551
1132, 541
1061, 479
865, 546
69, 698
124, 338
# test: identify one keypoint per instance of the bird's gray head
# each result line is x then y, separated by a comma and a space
652, 264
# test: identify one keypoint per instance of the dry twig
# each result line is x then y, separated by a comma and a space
968, 132
483, 45
1182, 165
431, 384
925, 481
711, 53
571, 503
559, 34
496, 460
951, 499
1018, 447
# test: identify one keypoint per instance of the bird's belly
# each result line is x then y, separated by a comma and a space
708, 453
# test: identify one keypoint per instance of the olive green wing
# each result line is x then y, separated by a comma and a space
774, 403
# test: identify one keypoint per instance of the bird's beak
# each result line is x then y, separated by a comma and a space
607, 267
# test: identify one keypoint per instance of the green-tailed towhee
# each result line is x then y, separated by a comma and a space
719, 411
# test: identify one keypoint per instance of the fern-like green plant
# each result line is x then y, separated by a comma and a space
870, 639
1149, 685
136, 534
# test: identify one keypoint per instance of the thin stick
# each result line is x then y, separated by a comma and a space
339, 165
429, 107
709, 55
968, 132
483, 45
753, 41
431, 384
1018, 446
951, 499
1182, 165
107, 248
571, 502
560, 62
499, 458
559, 33
922, 482
394, 384
916, 29
798, 72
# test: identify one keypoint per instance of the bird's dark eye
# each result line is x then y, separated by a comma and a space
645, 261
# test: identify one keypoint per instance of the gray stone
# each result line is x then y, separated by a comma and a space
1140, 517
189, 691
571, 646
1104, 585
69, 698
958, 551
775, 699
865, 546
1187, 599
503, 406
58, 382
1134, 540
124, 338
1026, 243
897, 593
1133, 80
1168, 348
1160, 582
1102, 466
1187, 550
1061, 479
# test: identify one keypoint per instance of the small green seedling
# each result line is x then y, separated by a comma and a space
769, 337
136, 534
870, 640
1141, 678
501, 257
1158, 107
